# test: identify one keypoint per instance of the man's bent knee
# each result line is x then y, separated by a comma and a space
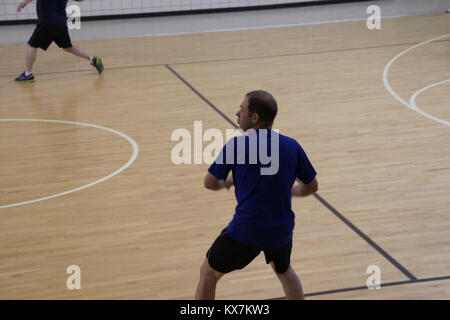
278, 271
207, 271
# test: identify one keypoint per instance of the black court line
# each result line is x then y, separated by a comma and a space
306, 53
89, 70
232, 59
390, 284
201, 96
326, 204
366, 238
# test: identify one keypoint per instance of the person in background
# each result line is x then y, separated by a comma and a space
51, 27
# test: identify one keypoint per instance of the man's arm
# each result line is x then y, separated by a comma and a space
302, 190
212, 183
23, 4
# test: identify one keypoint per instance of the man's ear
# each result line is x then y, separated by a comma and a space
255, 117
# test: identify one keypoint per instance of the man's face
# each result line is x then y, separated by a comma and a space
243, 117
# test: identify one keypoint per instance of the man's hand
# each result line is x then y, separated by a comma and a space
302, 190
212, 183
23, 5
229, 182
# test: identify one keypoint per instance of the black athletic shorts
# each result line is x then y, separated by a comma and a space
227, 254
43, 37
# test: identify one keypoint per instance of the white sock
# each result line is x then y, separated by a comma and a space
28, 73
92, 59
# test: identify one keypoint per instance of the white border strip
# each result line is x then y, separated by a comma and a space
130, 161
247, 28
214, 30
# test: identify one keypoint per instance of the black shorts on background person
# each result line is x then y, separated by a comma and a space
51, 27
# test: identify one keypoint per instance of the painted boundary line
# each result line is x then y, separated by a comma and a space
390, 284
366, 238
412, 104
133, 157
231, 59
201, 96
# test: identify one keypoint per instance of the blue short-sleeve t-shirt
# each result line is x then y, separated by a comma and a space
51, 13
265, 165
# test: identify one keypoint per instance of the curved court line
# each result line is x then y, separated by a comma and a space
395, 95
412, 102
132, 159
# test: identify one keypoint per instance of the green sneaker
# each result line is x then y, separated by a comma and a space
25, 78
97, 63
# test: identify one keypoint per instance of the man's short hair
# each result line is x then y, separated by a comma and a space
264, 104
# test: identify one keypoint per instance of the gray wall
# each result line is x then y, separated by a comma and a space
111, 7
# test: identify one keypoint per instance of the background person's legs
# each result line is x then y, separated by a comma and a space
291, 283
30, 58
78, 52
206, 289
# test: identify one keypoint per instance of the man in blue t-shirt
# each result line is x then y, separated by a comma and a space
264, 166
51, 26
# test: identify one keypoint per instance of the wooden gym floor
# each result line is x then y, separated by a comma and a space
383, 169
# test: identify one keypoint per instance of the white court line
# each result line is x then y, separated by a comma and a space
132, 159
248, 28
271, 26
396, 96
412, 102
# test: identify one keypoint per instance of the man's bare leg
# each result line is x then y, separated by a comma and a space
30, 58
79, 52
206, 289
291, 284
